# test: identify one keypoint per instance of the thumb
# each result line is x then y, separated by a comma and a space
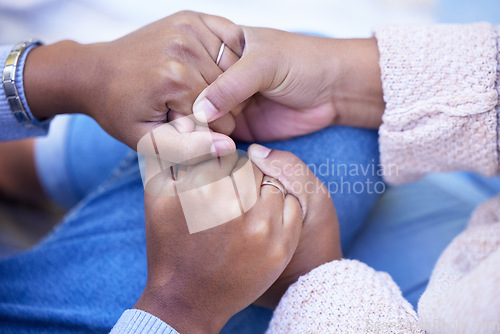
242, 80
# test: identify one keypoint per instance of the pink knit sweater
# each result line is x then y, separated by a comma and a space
441, 88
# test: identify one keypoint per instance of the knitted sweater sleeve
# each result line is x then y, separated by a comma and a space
344, 296
440, 86
347, 296
441, 91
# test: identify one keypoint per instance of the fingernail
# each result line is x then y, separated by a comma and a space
259, 151
205, 111
179, 128
221, 147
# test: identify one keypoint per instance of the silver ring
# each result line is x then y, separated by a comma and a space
221, 51
269, 181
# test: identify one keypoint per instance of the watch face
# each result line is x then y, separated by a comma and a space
212, 190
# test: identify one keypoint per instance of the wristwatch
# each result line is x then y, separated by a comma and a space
9, 82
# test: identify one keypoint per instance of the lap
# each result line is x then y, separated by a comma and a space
93, 265
87, 271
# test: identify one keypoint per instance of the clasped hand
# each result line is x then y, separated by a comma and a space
196, 282
268, 85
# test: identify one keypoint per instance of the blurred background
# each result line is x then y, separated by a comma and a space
97, 20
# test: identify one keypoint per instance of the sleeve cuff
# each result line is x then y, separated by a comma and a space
11, 128
344, 296
139, 322
440, 94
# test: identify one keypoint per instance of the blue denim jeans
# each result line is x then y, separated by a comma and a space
92, 267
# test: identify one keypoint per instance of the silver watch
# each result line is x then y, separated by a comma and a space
9, 82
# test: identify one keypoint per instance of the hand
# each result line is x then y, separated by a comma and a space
297, 84
319, 241
128, 85
182, 141
196, 282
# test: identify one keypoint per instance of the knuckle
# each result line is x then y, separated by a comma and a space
174, 73
185, 12
183, 149
224, 125
279, 255
293, 162
293, 158
185, 24
191, 148
181, 47
260, 229
235, 37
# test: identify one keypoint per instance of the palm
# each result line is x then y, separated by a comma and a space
265, 120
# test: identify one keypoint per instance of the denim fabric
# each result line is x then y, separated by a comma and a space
88, 271
93, 266
75, 157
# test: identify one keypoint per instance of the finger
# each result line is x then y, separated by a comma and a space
187, 148
297, 178
210, 72
182, 93
242, 128
195, 50
228, 59
275, 184
272, 197
258, 176
205, 173
202, 169
208, 66
181, 123
225, 124
246, 77
292, 222
239, 108
228, 32
247, 179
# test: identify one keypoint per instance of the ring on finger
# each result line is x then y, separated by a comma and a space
269, 181
221, 51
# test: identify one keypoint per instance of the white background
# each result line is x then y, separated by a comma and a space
101, 20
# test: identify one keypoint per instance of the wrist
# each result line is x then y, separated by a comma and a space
357, 90
57, 79
183, 315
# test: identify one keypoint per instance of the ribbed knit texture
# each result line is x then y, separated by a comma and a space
497, 84
440, 94
140, 322
343, 296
